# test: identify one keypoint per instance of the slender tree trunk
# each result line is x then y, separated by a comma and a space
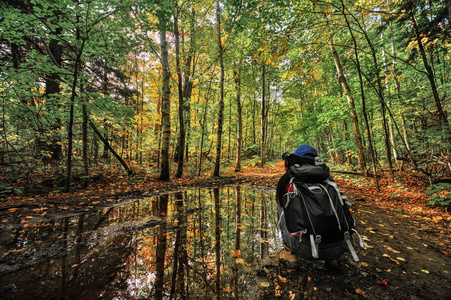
165, 109
52, 89
388, 101
71, 112
221, 92
188, 82
379, 87
354, 117
362, 92
85, 140
430, 73
239, 134
263, 118
182, 133
398, 89
110, 148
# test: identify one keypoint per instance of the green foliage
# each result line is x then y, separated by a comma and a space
440, 194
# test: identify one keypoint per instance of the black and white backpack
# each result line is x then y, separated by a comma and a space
314, 208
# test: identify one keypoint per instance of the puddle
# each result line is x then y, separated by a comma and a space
203, 243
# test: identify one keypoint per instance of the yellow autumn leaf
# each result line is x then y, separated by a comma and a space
392, 250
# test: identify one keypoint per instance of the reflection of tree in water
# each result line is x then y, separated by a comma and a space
115, 254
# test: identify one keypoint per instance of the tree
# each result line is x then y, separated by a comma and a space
166, 107
221, 91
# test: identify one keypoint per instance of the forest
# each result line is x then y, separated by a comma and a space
99, 86
141, 144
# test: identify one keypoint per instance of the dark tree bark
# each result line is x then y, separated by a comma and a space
182, 133
221, 92
166, 109
430, 72
263, 118
239, 135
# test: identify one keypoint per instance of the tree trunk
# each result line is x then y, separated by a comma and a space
182, 133
52, 90
354, 117
365, 115
188, 82
85, 140
165, 108
108, 146
239, 134
221, 92
71, 112
430, 73
263, 118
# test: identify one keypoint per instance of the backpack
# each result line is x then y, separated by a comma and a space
315, 208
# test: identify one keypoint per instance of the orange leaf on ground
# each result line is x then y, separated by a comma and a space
360, 292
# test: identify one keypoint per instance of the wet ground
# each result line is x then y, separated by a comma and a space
217, 243
168, 246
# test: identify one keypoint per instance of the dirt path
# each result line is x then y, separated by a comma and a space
407, 258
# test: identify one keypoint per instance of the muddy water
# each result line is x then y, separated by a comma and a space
203, 244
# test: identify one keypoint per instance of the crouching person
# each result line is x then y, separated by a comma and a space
313, 216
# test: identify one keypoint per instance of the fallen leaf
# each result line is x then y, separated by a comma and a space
425, 271
400, 258
445, 251
392, 259
382, 282
437, 219
392, 250
282, 279
40, 209
12, 209
360, 292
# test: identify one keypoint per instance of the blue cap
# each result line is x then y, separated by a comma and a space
306, 151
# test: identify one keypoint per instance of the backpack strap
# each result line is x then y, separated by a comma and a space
360, 239
314, 245
343, 198
350, 246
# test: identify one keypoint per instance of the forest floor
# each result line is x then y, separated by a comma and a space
408, 242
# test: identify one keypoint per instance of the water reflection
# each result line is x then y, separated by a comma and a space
187, 245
